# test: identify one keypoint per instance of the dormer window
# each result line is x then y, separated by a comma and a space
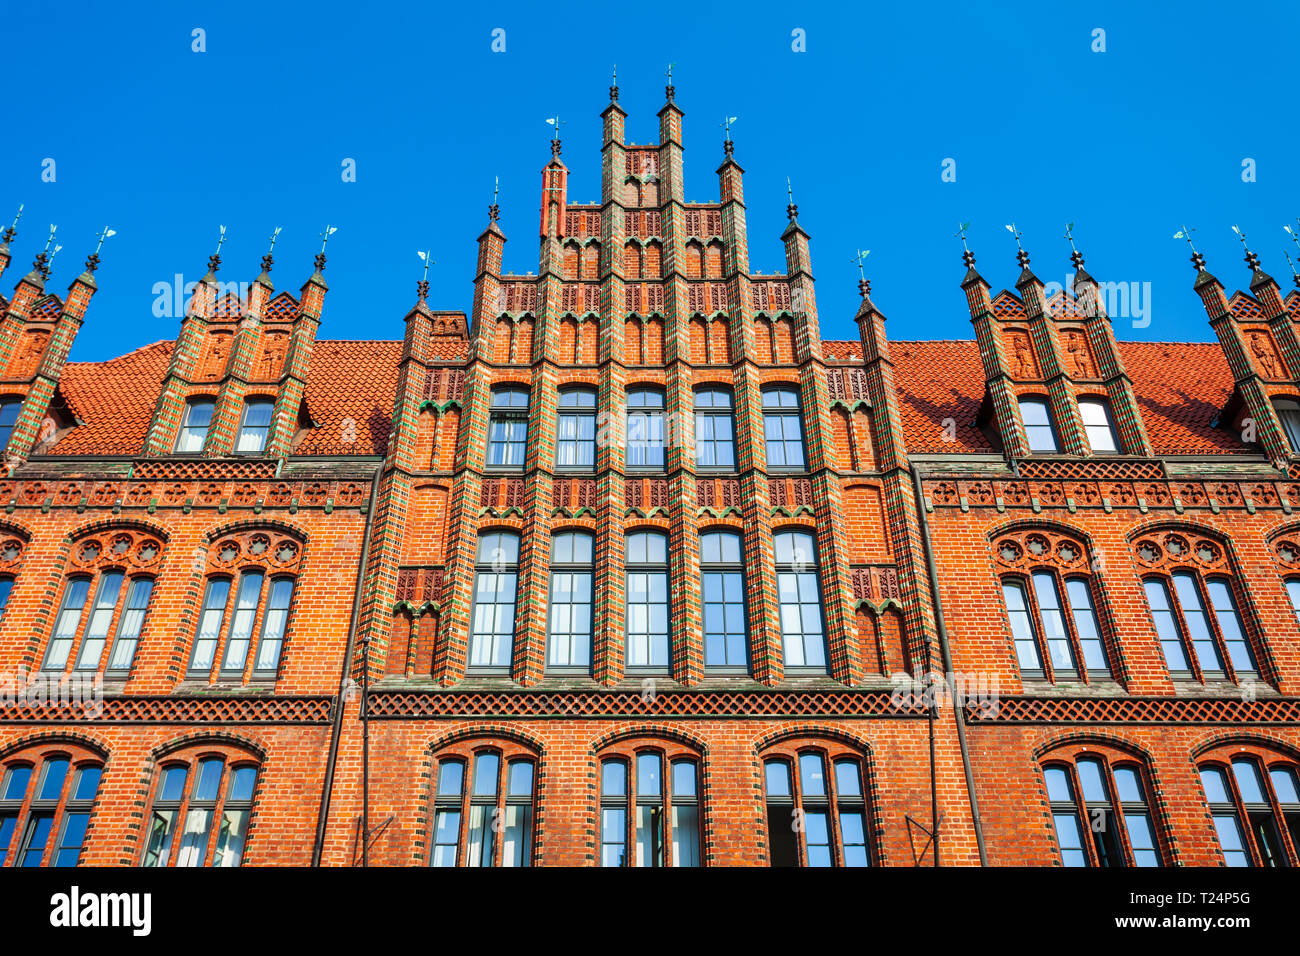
1097, 426
1288, 413
255, 426
9, 409
194, 430
1039, 429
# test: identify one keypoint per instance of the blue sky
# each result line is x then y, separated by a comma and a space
164, 144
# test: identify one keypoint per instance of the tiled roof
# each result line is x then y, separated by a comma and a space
115, 400
1181, 387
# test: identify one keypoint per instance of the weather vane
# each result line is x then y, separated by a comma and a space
789, 190
961, 234
557, 123
861, 255
496, 188
1292, 233
1185, 233
1242, 236
50, 264
1295, 274
106, 234
274, 236
220, 239
1069, 235
53, 230
427, 258
726, 126
669, 73
325, 236
13, 227
1015, 234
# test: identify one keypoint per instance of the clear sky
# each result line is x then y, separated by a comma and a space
164, 144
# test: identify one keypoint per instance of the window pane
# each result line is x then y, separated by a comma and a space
520, 779
16, 782
241, 622
451, 777
811, 775
613, 779
87, 783
1090, 779
778, 778
1058, 785
1166, 629
686, 835
1214, 784
1129, 785
52, 777
486, 765
817, 839
648, 769
847, 781
853, 834
1248, 782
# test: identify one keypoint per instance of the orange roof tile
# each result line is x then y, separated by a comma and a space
1181, 388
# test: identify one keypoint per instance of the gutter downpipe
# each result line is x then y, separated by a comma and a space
948, 675
340, 700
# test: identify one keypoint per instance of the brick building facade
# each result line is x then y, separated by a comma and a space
629, 566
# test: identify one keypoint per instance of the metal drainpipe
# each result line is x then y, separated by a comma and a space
322, 818
958, 716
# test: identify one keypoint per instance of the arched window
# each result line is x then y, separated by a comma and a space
190, 795
575, 430
1255, 803
647, 602
485, 817
9, 409
244, 616
255, 426
650, 806
645, 429
723, 601
104, 600
496, 581
803, 632
1108, 802
194, 426
1039, 430
508, 429
783, 429
1097, 425
714, 441
1190, 589
570, 605
1048, 594
46, 798
816, 818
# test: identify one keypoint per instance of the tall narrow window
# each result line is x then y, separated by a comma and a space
1037, 420
255, 426
496, 581
802, 631
575, 430
130, 625
570, 605
783, 429
194, 427
1288, 413
1097, 426
714, 440
486, 820
723, 600
57, 790
200, 813
1252, 805
649, 802
6, 586
508, 429
647, 604
815, 819
1100, 814
9, 409
1292, 592
645, 429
